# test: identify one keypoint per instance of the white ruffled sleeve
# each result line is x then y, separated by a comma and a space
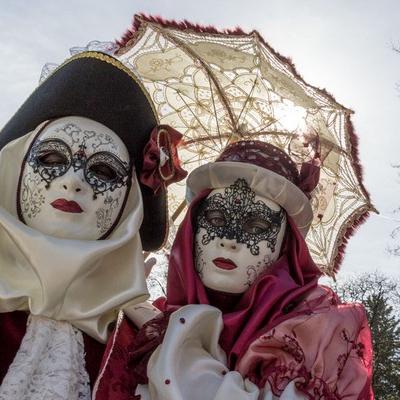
190, 364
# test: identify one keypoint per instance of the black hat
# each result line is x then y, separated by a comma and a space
97, 86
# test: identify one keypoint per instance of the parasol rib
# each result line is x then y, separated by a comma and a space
215, 110
209, 72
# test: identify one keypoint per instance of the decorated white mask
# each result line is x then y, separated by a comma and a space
74, 180
239, 235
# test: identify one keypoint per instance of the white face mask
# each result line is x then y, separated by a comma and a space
75, 180
239, 235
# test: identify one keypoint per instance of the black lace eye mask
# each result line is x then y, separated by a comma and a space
103, 171
236, 215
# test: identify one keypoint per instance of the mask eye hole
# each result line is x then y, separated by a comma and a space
106, 167
256, 226
215, 218
103, 172
51, 153
52, 159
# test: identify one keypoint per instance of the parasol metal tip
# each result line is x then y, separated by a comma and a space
373, 209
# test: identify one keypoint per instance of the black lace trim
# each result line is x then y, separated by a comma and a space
238, 206
78, 161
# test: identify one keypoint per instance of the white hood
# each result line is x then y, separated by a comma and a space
84, 282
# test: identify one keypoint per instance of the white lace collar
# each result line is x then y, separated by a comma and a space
50, 364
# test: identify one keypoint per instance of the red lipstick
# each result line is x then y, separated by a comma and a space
67, 206
224, 263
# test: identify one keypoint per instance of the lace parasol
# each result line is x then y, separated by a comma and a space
218, 87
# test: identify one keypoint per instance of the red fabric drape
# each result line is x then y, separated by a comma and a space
266, 303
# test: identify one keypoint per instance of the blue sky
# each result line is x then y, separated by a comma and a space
343, 46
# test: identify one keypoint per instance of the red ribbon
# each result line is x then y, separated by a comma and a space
161, 164
310, 170
309, 176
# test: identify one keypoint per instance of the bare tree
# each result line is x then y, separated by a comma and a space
157, 279
395, 234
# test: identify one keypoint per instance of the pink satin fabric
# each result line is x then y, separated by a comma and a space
326, 351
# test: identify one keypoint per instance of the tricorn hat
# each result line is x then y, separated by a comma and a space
97, 86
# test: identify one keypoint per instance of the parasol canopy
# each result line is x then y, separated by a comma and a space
219, 87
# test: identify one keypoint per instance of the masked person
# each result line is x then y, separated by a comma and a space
244, 316
71, 232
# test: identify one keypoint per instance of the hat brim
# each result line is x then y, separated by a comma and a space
155, 227
262, 181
